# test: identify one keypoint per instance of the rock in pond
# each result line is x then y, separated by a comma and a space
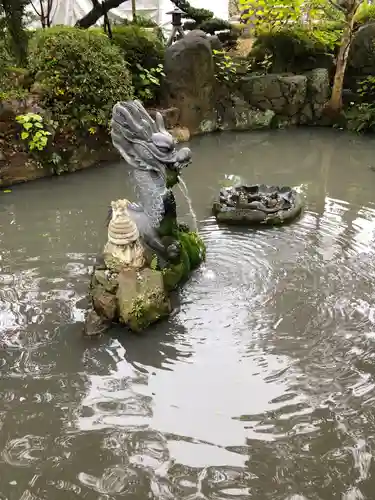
257, 204
148, 253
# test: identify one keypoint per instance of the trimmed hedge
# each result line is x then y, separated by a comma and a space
80, 75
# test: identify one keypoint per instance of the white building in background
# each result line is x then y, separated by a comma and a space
68, 12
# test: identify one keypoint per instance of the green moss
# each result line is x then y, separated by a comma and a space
193, 252
147, 310
168, 226
194, 247
173, 276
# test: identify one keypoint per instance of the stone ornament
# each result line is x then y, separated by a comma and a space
123, 248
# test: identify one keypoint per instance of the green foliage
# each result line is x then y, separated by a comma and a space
271, 15
81, 75
154, 264
361, 117
147, 82
366, 89
295, 48
144, 22
33, 131
365, 15
226, 67
138, 46
144, 54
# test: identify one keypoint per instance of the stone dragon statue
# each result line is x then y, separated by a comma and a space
153, 164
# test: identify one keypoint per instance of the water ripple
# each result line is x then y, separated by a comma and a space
260, 386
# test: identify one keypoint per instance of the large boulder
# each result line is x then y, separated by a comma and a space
190, 81
285, 95
361, 59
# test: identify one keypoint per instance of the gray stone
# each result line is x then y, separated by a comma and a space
361, 59
318, 91
190, 80
285, 95
306, 116
104, 303
106, 279
94, 324
141, 298
239, 115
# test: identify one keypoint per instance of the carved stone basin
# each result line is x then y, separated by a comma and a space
257, 204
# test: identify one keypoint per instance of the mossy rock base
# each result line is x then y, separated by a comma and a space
193, 253
141, 298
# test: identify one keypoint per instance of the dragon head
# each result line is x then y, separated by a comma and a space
145, 143
154, 164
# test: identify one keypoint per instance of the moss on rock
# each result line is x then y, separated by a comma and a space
141, 298
192, 253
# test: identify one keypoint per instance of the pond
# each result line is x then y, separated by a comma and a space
261, 386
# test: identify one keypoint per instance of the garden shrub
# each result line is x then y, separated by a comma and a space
138, 46
144, 53
296, 49
360, 115
80, 75
145, 22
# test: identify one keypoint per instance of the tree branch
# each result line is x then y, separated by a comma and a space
337, 6
99, 10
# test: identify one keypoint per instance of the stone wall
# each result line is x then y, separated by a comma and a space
257, 101
63, 154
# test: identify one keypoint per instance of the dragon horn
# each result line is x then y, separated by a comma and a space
160, 122
120, 111
145, 117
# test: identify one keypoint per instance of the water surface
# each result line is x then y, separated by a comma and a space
260, 387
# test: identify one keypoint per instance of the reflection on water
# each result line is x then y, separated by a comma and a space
260, 387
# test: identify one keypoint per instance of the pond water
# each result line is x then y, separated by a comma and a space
260, 387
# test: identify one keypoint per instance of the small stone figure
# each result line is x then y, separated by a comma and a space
124, 248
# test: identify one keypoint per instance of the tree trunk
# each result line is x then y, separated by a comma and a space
14, 12
334, 105
97, 12
134, 11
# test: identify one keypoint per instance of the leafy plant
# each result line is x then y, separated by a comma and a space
271, 15
147, 82
226, 67
361, 118
138, 46
33, 131
81, 75
295, 48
